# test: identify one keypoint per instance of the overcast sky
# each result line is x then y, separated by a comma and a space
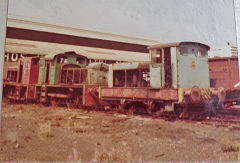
207, 21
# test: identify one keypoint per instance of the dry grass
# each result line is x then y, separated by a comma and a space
229, 146
45, 131
20, 107
118, 153
70, 123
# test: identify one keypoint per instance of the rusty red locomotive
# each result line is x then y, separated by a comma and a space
21, 80
62, 79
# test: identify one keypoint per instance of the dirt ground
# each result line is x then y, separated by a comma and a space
38, 133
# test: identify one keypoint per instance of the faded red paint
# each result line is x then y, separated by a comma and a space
91, 100
30, 71
27, 77
193, 64
224, 72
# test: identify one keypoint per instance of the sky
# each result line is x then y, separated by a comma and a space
206, 21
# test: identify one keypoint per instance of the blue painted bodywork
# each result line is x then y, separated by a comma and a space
193, 67
189, 66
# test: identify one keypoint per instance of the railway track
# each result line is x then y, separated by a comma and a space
225, 119
223, 116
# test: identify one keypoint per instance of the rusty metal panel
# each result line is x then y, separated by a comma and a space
110, 76
42, 71
52, 73
34, 71
224, 72
155, 77
97, 77
26, 70
163, 94
117, 93
140, 93
193, 66
30, 70
30, 92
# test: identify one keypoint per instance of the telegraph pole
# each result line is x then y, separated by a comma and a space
236, 4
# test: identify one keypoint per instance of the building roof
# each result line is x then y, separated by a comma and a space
45, 48
46, 26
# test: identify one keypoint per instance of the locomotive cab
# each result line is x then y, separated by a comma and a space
183, 65
175, 65
21, 79
162, 67
11, 74
68, 79
51, 65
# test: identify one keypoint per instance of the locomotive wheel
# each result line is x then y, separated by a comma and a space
120, 108
10, 101
54, 102
150, 108
77, 102
170, 116
210, 109
37, 100
184, 113
137, 108
141, 110
178, 110
222, 106
69, 104
131, 110
24, 101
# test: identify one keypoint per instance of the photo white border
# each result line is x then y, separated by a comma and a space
3, 31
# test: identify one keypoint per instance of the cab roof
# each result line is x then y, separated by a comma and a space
175, 44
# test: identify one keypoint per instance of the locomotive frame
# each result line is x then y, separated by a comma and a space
168, 91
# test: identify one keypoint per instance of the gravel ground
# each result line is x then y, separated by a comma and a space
38, 133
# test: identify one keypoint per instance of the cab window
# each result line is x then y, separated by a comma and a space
35, 61
62, 59
201, 53
156, 56
27, 64
183, 51
80, 60
42, 63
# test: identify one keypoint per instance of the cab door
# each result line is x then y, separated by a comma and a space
156, 79
167, 68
